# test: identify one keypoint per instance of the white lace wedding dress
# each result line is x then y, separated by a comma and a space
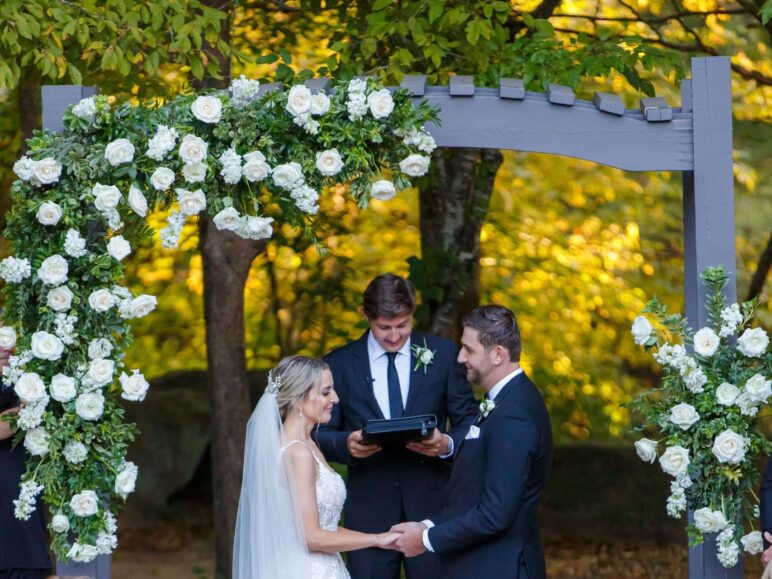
330, 496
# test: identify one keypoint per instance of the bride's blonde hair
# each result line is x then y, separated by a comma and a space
294, 378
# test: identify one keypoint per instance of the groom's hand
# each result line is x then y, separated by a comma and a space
359, 450
437, 444
766, 556
411, 543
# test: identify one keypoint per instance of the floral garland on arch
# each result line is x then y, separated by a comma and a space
251, 161
706, 411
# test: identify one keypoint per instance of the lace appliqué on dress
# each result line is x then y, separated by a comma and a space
330, 496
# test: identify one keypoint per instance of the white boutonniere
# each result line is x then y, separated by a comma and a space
486, 407
424, 357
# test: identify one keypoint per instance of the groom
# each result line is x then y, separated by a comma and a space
487, 528
379, 376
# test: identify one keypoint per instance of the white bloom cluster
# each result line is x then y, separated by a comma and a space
137, 201
255, 168
709, 521
243, 91
85, 109
25, 504
49, 213
74, 244
64, 328
15, 368
162, 178
380, 103
36, 441
676, 357
60, 523
329, 163
207, 109
247, 227
99, 348
90, 406
107, 541
162, 143
357, 101
303, 106
15, 270
383, 190
170, 235
753, 342
676, 502
415, 165
106, 200
418, 138
119, 152
706, 342
729, 447
306, 199
82, 553
230, 161
731, 317
675, 460
7, 337
31, 415
75, 452
191, 202
126, 481
753, 543
134, 387
43, 172
728, 549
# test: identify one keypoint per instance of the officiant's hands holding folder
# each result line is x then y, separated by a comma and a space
358, 449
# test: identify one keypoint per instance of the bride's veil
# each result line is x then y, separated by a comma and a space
269, 541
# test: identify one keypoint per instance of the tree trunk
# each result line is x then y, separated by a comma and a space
453, 208
226, 261
762, 270
30, 103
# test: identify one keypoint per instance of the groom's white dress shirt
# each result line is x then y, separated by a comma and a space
492, 393
379, 364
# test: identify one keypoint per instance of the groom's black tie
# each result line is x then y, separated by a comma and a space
395, 393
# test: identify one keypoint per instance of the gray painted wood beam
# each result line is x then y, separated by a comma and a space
270, 87
559, 94
512, 88
608, 103
656, 109
462, 85
318, 84
415, 84
56, 99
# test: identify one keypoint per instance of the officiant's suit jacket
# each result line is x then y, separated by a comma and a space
488, 527
395, 482
766, 502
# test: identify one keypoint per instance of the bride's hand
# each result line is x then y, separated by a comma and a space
387, 540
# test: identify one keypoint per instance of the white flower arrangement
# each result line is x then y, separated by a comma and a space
219, 154
711, 453
424, 357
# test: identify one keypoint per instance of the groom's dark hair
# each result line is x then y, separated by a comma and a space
388, 296
497, 326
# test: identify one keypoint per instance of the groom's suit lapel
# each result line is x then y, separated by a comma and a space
363, 376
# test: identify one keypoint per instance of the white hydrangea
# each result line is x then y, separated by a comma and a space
15, 270
230, 161
356, 106
75, 452
25, 504
74, 244
306, 199
244, 91
31, 415
357, 85
170, 235
162, 143
728, 549
676, 502
64, 328
731, 318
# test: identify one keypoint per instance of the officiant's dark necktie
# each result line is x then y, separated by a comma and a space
395, 392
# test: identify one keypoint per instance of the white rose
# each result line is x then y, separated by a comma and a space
30, 388
100, 371
675, 460
683, 416
82, 553
641, 330
426, 357
36, 442
118, 152
329, 162
228, 220
299, 100
85, 504
49, 213
383, 190
46, 346
255, 167
414, 165
101, 300
708, 521
63, 388
7, 337
60, 523
758, 389
59, 299
162, 178
191, 202
118, 247
753, 343
137, 201
47, 170
90, 406
706, 342
126, 480
106, 197
726, 394
194, 172
193, 149
207, 109
646, 449
381, 104
99, 348
143, 305
287, 176
134, 387
85, 109
257, 228
53, 270
753, 543
320, 104
729, 447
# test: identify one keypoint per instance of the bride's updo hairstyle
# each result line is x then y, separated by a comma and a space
294, 378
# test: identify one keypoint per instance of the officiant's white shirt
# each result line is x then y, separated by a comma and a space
492, 393
379, 365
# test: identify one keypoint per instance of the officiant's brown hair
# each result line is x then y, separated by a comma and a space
388, 296
497, 326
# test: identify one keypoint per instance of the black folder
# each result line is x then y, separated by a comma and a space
399, 431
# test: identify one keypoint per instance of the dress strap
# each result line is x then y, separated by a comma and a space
291, 442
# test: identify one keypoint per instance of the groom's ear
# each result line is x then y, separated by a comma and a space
361, 310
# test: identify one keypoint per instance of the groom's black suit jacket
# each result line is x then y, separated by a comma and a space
766, 502
488, 528
383, 487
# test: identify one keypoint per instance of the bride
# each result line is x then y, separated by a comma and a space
291, 500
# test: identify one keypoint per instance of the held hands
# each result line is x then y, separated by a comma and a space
387, 540
435, 445
359, 450
411, 539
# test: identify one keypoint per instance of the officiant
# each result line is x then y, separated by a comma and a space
394, 371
